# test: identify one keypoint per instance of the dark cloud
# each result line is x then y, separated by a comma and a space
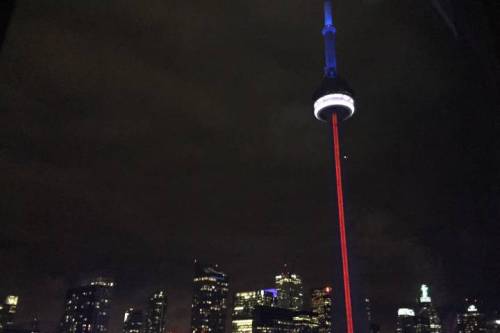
136, 137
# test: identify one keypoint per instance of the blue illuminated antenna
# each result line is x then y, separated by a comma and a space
334, 96
329, 36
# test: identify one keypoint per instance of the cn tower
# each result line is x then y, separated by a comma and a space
334, 103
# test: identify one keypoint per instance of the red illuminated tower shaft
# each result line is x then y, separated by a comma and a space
342, 229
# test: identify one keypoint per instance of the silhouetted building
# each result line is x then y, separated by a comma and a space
406, 321
6, 10
133, 321
35, 325
427, 318
471, 320
321, 304
209, 307
8, 312
272, 319
368, 309
32, 327
156, 316
87, 308
493, 324
290, 292
372, 326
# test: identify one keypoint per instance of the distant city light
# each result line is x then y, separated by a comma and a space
425, 294
273, 291
472, 308
11, 300
406, 312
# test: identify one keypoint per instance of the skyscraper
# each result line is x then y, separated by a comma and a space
246, 301
271, 319
244, 305
209, 306
405, 322
267, 319
427, 317
471, 320
133, 321
290, 292
7, 312
334, 103
86, 309
321, 304
156, 315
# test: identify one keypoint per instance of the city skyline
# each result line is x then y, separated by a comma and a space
138, 136
421, 317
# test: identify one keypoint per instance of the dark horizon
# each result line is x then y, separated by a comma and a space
137, 137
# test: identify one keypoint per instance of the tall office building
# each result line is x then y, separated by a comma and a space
427, 317
471, 320
246, 301
406, 321
86, 309
244, 305
133, 321
156, 315
267, 319
321, 304
209, 307
7, 312
290, 292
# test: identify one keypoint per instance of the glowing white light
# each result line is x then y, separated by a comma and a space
472, 308
333, 100
425, 294
497, 321
406, 312
11, 300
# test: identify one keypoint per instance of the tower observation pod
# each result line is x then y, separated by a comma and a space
334, 103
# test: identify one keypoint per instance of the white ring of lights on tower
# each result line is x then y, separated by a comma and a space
333, 100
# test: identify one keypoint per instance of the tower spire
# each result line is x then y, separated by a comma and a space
329, 37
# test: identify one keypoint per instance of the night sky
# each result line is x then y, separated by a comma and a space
136, 136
